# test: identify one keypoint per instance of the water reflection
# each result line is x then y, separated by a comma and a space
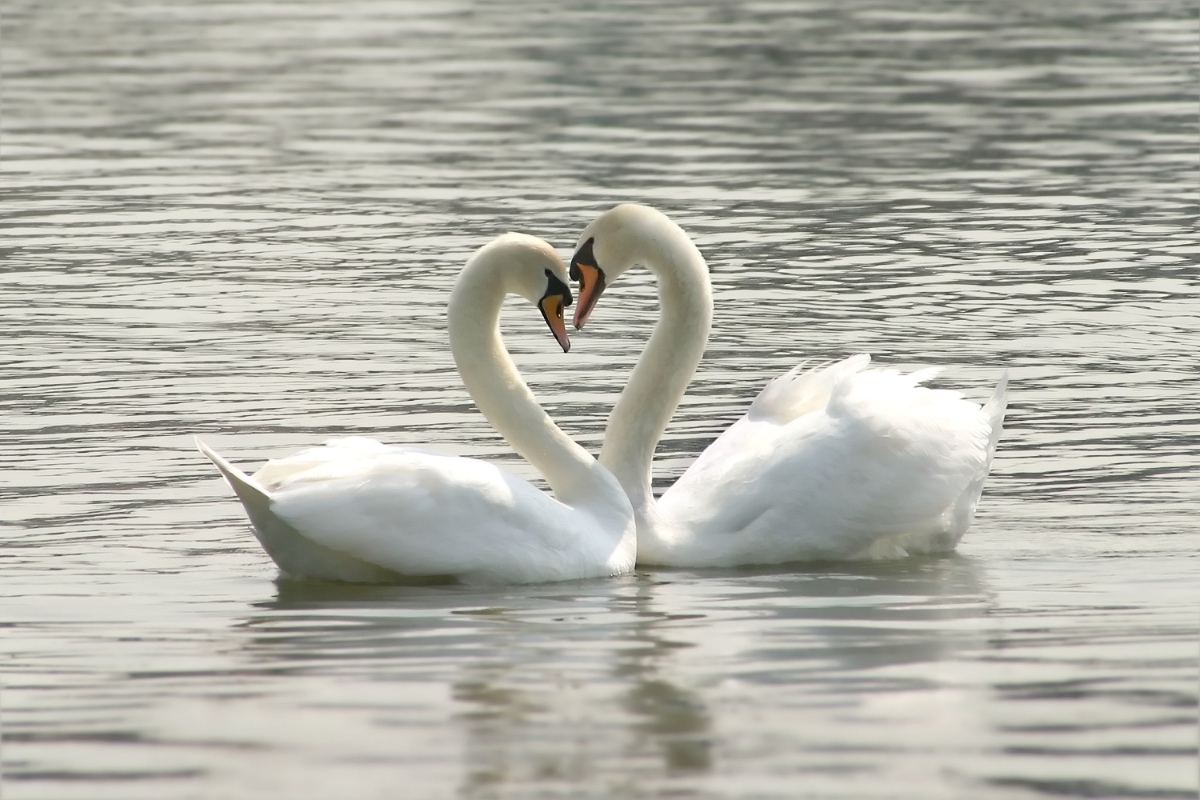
549, 684
674, 719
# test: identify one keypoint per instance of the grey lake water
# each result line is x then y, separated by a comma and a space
242, 219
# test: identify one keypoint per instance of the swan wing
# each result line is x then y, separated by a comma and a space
795, 394
800, 391
831, 462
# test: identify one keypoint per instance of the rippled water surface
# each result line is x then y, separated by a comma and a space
242, 220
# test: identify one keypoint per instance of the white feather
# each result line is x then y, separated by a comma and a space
840, 461
354, 509
863, 463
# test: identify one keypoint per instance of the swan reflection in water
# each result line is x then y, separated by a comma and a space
649, 672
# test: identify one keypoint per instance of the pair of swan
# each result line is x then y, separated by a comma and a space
838, 462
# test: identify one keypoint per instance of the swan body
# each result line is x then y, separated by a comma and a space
841, 461
357, 510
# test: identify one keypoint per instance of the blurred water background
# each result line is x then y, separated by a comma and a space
242, 219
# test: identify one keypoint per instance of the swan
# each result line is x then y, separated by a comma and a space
357, 510
841, 461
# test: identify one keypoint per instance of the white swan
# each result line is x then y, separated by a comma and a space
357, 510
836, 462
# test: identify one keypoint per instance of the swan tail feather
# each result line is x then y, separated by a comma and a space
994, 409
295, 554
254, 497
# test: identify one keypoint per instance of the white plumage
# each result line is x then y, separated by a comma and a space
357, 510
842, 461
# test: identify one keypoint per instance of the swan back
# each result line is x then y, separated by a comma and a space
832, 463
418, 512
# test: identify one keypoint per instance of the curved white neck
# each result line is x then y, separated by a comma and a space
671, 356
506, 401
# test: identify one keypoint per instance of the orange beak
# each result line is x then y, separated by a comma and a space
552, 310
591, 286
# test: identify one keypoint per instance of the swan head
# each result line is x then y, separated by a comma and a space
534, 270
614, 242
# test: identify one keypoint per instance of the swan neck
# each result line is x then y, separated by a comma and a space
666, 366
502, 395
